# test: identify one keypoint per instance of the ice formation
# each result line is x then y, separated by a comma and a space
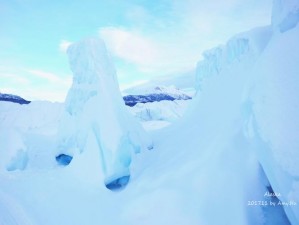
242, 47
275, 112
162, 111
263, 64
26, 135
285, 14
94, 105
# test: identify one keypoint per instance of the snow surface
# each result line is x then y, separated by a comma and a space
237, 141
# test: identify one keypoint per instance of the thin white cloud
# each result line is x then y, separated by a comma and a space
47, 94
63, 45
35, 84
129, 45
132, 84
44, 75
14, 78
50, 77
149, 54
175, 40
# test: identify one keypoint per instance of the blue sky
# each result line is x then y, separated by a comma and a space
145, 38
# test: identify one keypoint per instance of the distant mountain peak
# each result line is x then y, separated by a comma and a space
157, 94
13, 98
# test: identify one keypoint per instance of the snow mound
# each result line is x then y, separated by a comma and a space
27, 135
94, 106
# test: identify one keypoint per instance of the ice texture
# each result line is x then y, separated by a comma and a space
157, 94
242, 46
94, 105
275, 116
160, 111
27, 135
264, 71
285, 14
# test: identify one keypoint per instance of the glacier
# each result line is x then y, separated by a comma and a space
236, 142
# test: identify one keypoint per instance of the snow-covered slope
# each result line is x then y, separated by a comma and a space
26, 135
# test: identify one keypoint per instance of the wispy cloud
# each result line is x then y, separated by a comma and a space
63, 45
130, 45
50, 77
34, 84
173, 40
44, 75
14, 78
132, 84
149, 55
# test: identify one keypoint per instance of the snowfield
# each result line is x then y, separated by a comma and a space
214, 158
